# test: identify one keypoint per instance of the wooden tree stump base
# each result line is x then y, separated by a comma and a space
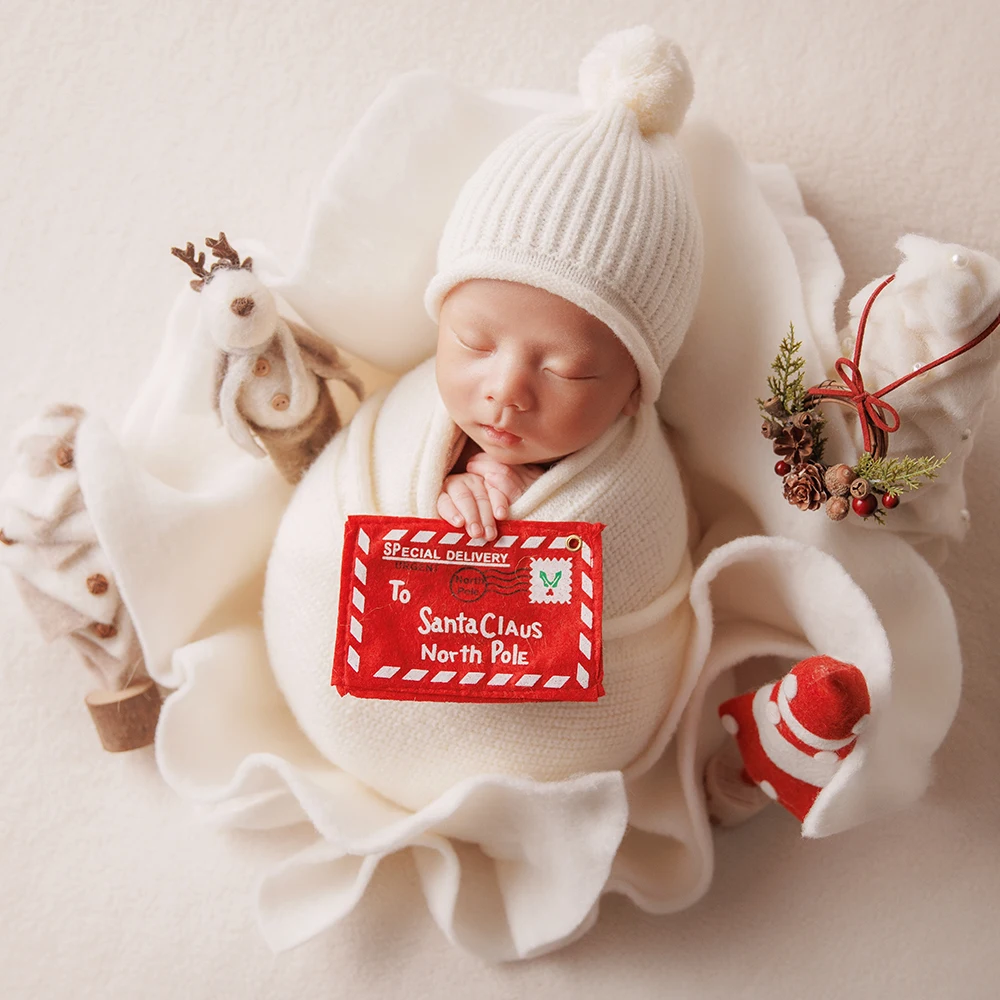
126, 719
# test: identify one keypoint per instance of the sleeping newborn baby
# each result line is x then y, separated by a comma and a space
567, 275
529, 378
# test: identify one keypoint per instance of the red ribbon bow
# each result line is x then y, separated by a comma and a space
870, 407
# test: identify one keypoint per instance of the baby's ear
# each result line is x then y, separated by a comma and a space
631, 407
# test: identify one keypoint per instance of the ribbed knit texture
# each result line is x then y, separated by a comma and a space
586, 207
391, 459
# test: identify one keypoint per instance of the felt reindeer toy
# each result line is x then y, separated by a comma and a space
270, 387
270, 372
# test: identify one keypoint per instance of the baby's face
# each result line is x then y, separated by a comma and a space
527, 375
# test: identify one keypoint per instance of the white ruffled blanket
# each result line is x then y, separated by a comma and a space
510, 866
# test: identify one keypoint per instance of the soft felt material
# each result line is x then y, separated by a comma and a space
794, 734
943, 296
49, 544
269, 390
518, 621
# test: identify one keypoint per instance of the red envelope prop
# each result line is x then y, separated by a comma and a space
429, 614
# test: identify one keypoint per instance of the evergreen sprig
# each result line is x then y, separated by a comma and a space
898, 475
786, 383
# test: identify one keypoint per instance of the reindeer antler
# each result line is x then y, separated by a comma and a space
197, 264
228, 257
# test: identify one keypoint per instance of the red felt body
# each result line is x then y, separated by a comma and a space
796, 796
793, 734
429, 614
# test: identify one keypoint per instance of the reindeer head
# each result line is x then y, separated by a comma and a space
237, 308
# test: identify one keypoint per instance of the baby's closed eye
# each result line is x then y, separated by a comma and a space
571, 376
473, 341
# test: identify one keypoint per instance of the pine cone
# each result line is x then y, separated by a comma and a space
804, 486
794, 445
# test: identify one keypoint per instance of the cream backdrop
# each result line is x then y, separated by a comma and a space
126, 127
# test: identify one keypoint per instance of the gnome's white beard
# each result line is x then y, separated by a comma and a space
392, 459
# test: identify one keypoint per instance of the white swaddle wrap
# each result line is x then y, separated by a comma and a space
392, 459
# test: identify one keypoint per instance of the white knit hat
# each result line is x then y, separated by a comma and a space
595, 207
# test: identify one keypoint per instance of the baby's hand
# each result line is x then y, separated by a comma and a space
508, 481
468, 500
482, 495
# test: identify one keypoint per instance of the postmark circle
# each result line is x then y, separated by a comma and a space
468, 584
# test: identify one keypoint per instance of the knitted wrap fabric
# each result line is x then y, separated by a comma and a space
593, 208
391, 459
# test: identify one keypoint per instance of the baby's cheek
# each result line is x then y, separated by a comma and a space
578, 428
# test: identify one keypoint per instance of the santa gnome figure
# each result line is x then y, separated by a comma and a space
793, 734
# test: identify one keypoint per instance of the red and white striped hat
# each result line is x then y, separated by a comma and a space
794, 733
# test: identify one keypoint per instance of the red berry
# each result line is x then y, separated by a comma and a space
782, 468
865, 506
890, 500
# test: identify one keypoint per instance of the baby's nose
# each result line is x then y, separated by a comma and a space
512, 390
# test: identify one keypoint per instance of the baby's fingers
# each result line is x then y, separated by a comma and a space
484, 513
446, 508
470, 498
502, 482
498, 501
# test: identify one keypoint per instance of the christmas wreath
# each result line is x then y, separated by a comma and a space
794, 423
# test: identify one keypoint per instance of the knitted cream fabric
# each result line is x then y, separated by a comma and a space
590, 208
391, 459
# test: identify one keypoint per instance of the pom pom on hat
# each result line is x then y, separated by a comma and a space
642, 70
